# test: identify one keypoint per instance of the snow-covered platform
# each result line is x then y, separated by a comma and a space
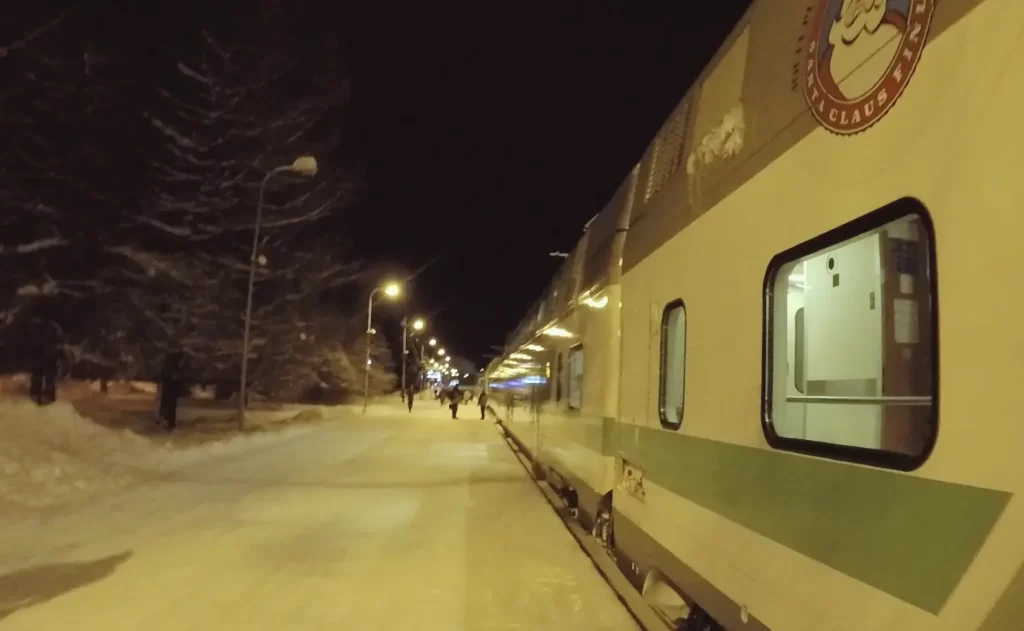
385, 521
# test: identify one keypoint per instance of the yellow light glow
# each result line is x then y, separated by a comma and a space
534, 347
596, 303
433, 341
520, 356
440, 352
418, 325
555, 331
391, 290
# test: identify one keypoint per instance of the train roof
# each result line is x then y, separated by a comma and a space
742, 113
587, 267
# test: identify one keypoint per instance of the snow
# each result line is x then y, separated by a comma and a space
188, 72
47, 288
179, 139
178, 231
35, 246
386, 521
724, 141
153, 263
51, 455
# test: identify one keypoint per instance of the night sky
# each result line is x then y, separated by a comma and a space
493, 137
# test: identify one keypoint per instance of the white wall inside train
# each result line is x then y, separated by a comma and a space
575, 378
842, 344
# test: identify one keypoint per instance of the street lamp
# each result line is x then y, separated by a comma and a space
440, 352
417, 325
391, 290
305, 166
433, 341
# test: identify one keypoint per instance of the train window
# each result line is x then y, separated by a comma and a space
851, 343
558, 378
672, 389
576, 377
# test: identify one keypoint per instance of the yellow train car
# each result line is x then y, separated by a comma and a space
562, 367
824, 216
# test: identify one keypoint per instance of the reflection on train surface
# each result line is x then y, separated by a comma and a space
735, 377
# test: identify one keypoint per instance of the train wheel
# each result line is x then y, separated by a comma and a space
602, 529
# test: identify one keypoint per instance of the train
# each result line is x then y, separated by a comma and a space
734, 380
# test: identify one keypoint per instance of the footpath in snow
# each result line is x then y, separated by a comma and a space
388, 520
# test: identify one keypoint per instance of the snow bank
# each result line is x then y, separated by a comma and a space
52, 455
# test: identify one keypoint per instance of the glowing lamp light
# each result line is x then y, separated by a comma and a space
392, 290
418, 325
555, 331
304, 165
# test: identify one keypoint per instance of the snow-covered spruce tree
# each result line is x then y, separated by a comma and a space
239, 98
69, 167
129, 179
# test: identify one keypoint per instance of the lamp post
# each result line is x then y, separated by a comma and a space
417, 325
391, 290
303, 165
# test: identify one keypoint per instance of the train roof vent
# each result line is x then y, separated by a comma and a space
669, 149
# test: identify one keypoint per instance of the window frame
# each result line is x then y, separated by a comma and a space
577, 348
559, 372
903, 207
663, 360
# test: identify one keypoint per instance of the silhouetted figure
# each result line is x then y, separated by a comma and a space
409, 392
455, 396
46, 356
482, 402
170, 388
35, 385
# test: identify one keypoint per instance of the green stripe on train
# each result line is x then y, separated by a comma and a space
910, 537
586, 431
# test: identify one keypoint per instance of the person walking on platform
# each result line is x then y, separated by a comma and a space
455, 396
409, 392
482, 402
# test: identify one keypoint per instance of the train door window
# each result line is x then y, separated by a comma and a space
576, 378
672, 389
851, 344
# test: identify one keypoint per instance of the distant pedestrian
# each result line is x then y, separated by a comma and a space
170, 388
409, 392
482, 402
456, 398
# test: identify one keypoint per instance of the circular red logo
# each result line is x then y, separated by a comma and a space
860, 56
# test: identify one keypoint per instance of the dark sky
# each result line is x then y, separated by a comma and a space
494, 136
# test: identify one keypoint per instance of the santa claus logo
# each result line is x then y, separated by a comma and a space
860, 56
